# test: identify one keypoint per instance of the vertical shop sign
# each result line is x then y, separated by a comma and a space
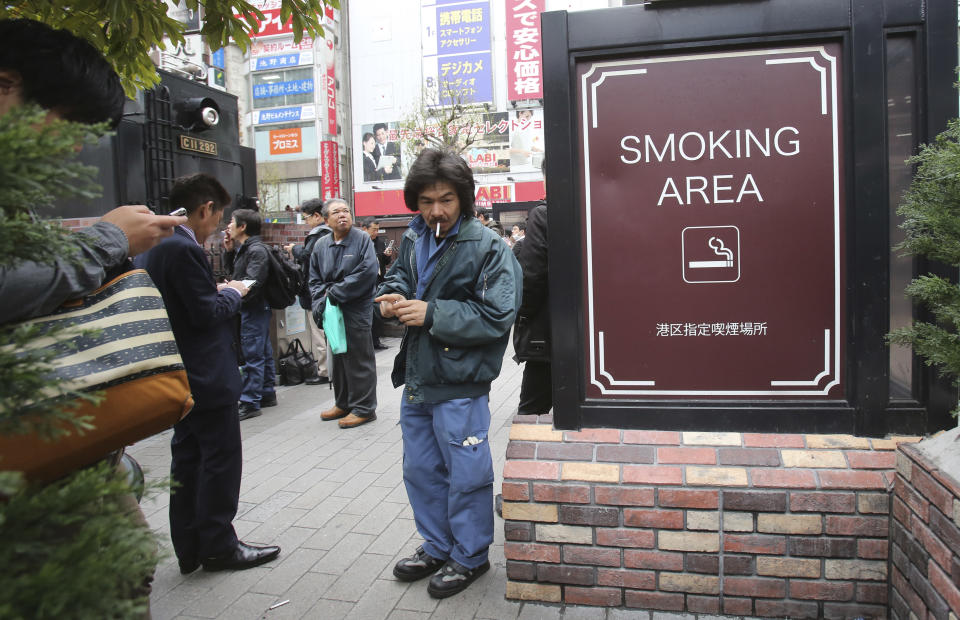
329, 169
457, 60
524, 62
331, 90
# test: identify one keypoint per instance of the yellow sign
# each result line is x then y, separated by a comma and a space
206, 147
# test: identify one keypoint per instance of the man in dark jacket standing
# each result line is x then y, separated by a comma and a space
456, 288
207, 457
531, 333
343, 269
252, 262
312, 211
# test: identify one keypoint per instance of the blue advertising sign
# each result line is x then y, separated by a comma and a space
280, 115
465, 78
295, 87
217, 59
463, 28
275, 62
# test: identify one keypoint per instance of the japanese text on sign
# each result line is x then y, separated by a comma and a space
524, 61
712, 329
273, 62
283, 141
295, 87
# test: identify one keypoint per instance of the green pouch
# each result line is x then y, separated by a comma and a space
333, 328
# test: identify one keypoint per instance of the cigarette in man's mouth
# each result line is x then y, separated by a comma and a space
438, 229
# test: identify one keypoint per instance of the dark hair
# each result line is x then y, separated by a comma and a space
249, 218
61, 72
521, 225
311, 206
382, 126
366, 137
194, 190
325, 211
433, 166
367, 222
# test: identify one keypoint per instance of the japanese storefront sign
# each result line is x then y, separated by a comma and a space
713, 224
281, 61
329, 169
276, 89
271, 24
486, 195
284, 115
330, 79
524, 62
273, 47
286, 141
457, 52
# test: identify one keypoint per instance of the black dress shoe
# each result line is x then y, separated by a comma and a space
242, 557
379, 346
249, 410
188, 566
268, 401
317, 381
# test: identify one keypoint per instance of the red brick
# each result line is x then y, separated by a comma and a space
594, 435
707, 563
626, 538
633, 579
902, 587
658, 519
916, 502
625, 454
518, 530
788, 609
652, 437
523, 571
521, 449
871, 460
703, 604
533, 552
624, 496
652, 474
900, 510
823, 547
768, 440
739, 565
872, 592
755, 501
578, 554
823, 502
653, 600
754, 543
682, 498
516, 491
589, 515
944, 587
554, 451
934, 546
737, 606
561, 493
851, 480
821, 590
687, 456
853, 610
945, 530
562, 573
531, 470
932, 490
872, 548
749, 456
654, 560
783, 478
602, 597
755, 587
858, 526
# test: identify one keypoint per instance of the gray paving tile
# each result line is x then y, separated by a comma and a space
354, 582
303, 595
394, 536
250, 606
368, 499
404, 614
355, 485
216, 600
417, 599
331, 532
323, 512
326, 608
536, 611
628, 614
378, 600
271, 506
349, 547
494, 605
286, 570
582, 612
316, 494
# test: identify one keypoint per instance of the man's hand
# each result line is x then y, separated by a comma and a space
288, 248
237, 285
227, 241
387, 304
411, 311
142, 227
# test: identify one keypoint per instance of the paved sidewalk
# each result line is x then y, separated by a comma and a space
334, 501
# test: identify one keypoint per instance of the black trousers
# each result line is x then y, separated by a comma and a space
206, 468
536, 396
354, 373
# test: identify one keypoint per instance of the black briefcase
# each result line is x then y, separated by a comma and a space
296, 365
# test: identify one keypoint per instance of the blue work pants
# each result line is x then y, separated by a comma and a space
259, 375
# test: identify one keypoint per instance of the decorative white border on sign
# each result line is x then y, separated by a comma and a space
828, 97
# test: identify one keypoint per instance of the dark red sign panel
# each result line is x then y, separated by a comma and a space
713, 228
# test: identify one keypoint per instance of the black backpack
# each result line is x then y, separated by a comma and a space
284, 281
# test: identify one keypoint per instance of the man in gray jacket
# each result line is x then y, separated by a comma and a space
343, 269
456, 286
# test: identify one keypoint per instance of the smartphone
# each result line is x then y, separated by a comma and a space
390, 245
177, 212
248, 283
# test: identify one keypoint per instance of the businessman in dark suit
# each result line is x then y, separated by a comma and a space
385, 147
207, 453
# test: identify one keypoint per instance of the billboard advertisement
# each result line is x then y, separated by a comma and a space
457, 65
524, 62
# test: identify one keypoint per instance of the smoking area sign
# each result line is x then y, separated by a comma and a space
712, 197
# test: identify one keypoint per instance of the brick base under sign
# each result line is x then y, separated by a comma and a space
772, 525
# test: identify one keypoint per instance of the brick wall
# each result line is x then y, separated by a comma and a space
734, 523
282, 234
924, 539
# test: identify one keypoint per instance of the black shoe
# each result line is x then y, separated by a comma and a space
417, 566
317, 381
379, 346
242, 557
268, 401
498, 504
249, 410
188, 566
454, 577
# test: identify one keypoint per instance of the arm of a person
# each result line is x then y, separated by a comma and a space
361, 280
298, 253
31, 289
533, 260
490, 311
316, 284
399, 277
194, 287
258, 267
